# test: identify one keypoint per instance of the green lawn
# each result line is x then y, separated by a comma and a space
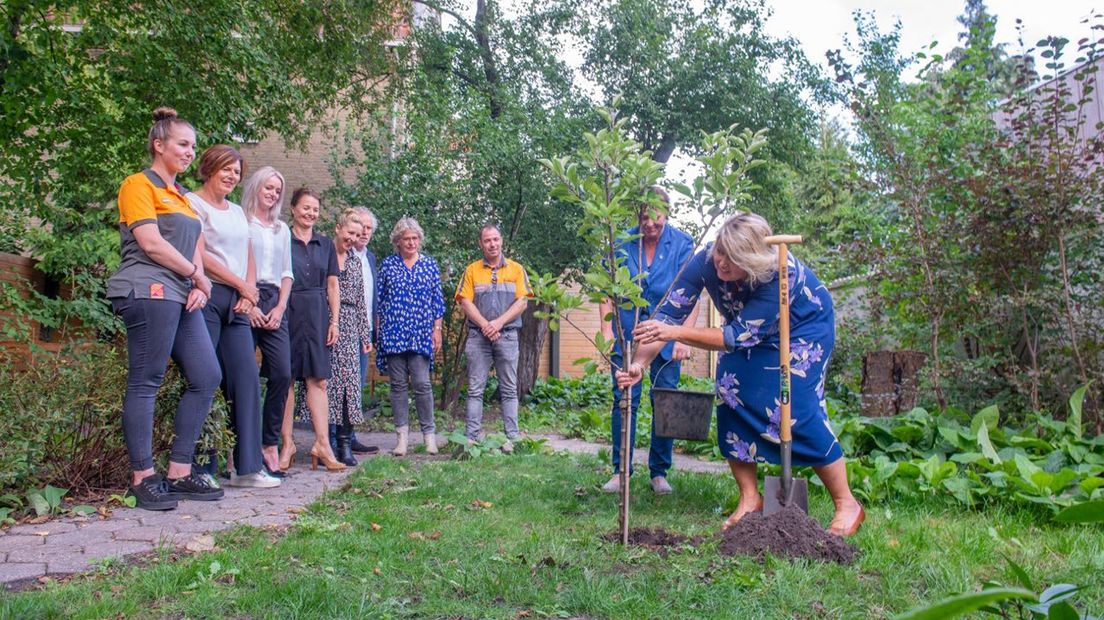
408, 539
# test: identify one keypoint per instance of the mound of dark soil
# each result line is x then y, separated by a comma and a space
656, 539
788, 533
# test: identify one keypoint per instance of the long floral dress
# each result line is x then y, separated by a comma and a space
343, 389
748, 415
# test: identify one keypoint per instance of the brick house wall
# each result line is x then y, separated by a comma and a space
573, 345
20, 272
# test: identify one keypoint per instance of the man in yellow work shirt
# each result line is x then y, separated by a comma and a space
493, 295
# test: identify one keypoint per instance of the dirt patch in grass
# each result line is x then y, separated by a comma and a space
788, 533
654, 538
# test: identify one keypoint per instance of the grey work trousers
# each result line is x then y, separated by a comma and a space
410, 372
482, 354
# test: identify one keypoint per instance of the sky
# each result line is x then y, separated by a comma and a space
822, 25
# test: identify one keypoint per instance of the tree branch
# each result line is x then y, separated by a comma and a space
458, 17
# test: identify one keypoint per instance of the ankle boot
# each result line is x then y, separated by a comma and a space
402, 432
344, 452
430, 443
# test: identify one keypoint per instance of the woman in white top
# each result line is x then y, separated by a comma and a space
271, 238
228, 260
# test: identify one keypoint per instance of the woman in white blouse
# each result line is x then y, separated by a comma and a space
262, 201
228, 260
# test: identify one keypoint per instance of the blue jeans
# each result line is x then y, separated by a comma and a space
157, 329
664, 374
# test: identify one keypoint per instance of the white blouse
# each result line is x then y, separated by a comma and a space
271, 251
225, 232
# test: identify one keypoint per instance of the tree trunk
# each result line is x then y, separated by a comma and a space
889, 382
665, 149
531, 338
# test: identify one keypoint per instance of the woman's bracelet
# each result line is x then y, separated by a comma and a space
195, 268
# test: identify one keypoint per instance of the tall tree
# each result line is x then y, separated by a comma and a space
682, 67
482, 98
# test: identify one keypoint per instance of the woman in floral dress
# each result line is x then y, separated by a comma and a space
343, 389
740, 271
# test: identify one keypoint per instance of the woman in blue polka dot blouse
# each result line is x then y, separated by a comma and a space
411, 307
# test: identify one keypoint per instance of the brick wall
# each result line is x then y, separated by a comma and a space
21, 272
307, 165
574, 345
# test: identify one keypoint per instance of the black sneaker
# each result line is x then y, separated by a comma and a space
152, 493
195, 486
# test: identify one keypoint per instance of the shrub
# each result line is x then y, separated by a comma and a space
61, 420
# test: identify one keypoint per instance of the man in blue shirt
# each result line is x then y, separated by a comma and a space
659, 251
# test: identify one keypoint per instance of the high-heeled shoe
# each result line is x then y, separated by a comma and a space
852, 529
330, 463
730, 521
286, 455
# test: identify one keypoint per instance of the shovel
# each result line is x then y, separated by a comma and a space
782, 491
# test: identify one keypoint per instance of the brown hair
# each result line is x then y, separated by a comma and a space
164, 119
216, 158
298, 194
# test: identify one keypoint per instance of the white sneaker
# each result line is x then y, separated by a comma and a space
614, 484
256, 480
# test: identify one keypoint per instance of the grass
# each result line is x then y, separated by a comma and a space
520, 537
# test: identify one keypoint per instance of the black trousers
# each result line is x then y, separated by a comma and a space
275, 345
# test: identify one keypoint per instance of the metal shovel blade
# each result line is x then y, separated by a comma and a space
785, 490
775, 498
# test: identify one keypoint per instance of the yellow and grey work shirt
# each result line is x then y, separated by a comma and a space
494, 288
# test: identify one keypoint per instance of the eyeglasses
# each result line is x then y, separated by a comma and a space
494, 276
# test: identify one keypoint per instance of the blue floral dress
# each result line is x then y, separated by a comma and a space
748, 371
410, 300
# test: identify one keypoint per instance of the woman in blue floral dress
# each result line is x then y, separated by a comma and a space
411, 307
740, 271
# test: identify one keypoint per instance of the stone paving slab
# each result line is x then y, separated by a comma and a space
18, 571
78, 544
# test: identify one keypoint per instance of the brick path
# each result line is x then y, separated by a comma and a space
76, 544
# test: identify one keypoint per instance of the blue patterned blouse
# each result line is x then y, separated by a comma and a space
410, 300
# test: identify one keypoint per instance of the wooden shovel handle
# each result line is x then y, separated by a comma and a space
784, 335
777, 239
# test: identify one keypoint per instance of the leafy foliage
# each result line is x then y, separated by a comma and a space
78, 82
68, 435
1019, 601
987, 204
482, 99
683, 67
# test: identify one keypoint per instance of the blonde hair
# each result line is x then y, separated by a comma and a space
348, 216
253, 186
742, 241
404, 224
164, 119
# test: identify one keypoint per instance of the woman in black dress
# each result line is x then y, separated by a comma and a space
343, 390
312, 318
